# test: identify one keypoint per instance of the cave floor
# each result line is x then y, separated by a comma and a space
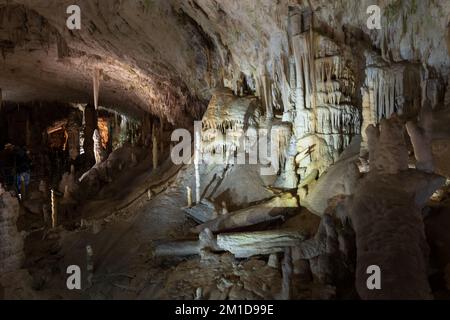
122, 226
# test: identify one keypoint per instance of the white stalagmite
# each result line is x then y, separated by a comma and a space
96, 85
189, 196
197, 159
54, 209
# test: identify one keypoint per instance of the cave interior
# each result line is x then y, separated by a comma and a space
225, 150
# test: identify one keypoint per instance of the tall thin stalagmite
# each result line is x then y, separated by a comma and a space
54, 209
154, 147
197, 159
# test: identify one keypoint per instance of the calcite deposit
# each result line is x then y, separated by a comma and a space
238, 149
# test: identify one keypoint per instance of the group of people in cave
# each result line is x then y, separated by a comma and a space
15, 166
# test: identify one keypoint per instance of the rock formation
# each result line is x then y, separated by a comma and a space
389, 199
314, 145
11, 249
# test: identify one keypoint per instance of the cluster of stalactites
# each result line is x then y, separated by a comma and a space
280, 136
387, 88
220, 143
222, 125
226, 122
335, 81
344, 119
304, 63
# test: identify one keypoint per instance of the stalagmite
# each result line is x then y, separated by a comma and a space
149, 194
99, 152
154, 147
273, 261
420, 135
388, 151
388, 199
189, 197
286, 267
197, 159
96, 85
198, 294
90, 264
54, 209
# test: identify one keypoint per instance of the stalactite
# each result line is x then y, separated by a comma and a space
285, 88
96, 84
387, 87
225, 121
301, 49
267, 94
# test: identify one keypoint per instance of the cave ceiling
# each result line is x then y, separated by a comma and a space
163, 57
